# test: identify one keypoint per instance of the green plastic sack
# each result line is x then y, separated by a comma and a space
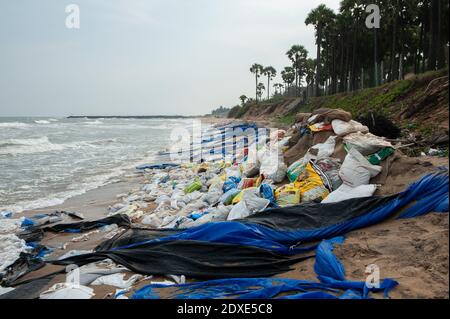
194, 186
378, 157
295, 170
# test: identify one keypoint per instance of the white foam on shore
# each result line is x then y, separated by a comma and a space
91, 183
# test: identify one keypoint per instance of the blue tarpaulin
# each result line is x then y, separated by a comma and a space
328, 268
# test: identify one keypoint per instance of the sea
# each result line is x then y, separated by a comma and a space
44, 161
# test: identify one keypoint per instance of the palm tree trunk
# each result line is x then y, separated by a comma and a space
256, 86
318, 75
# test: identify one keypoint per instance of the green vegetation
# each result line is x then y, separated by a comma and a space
412, 38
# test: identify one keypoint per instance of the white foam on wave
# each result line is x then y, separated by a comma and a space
42, 144
42, 122
13, 125
96, 122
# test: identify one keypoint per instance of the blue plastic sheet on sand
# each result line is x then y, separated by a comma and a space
329, 270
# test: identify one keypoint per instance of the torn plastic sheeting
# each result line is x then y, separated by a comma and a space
121, 220
194, 258
330, 271
241, 288
328, 268
68, 291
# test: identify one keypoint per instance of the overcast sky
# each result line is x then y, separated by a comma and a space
139, 57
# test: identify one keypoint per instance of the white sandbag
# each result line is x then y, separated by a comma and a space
273, 166
116, 280
366, 144
325, 149
357, 170
239, 211
68, 291
342, 128
250, 204
346, 192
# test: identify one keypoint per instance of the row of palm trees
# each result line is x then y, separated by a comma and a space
412, 38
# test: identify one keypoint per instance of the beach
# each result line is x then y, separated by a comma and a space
418, 259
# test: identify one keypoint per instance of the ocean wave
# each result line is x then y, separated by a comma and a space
13, 125
42, 144
42, 122
76, 189
96, 122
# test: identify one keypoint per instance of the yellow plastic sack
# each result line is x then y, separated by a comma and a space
311, 186
288, 195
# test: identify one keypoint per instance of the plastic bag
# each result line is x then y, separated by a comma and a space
239, 211
357, 170
266, 191
342, 128
288, 195
320, 127
273, 167
329, 168
378, 157
366, 144
298, 167
311, 185
194, 186
230, 183
249, 204
325, 149
228, 197
346, 192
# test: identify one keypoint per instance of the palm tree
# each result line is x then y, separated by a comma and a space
243, 99
259, 90
278, 87
298, 55
270, 72
319, 17
288, 76
257, 69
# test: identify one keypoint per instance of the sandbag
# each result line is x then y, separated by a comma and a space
378, 157
273, 166
366, 144
287, 195
249, 204
311, 185
328, 115
342, 128
302, 117
194, 186
324, 149
356, 169
329, 167
228, 197
346, 192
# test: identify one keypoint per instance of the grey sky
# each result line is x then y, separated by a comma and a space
143, 56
